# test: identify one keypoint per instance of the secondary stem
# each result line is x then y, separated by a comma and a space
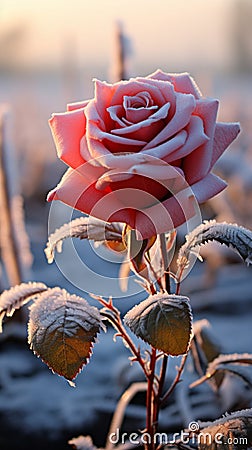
161, 380
165, 261
176, 380
150, 401
157, 402
117, 324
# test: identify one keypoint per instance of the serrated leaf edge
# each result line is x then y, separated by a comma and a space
17, 296
157, 297
92, 342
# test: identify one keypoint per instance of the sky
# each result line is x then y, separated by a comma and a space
168, 32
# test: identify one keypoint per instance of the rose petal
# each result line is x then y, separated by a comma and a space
92, 115
67, 130
195, 137
208, 187
79, 192
197, 164
182, 82
102, 99
185, 105
113, 175
164, 87
156, 172
135, 115
161, 151
166, 216
133, 87
107, 95
82, 195
93, 131
225, 133
103, 157
93, 151
158, 115
77, 105
142, 99
115, 113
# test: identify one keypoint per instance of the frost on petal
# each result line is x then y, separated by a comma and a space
182, 82
166, 216
77, 105
208, 187
185, 104
197, 164
67, 130
225, 134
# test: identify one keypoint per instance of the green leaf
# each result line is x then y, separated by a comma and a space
163, 321
61, 331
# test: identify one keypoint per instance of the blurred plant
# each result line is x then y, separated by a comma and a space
14, 244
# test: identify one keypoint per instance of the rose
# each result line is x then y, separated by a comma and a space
141, 152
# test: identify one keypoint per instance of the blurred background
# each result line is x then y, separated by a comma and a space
50, 51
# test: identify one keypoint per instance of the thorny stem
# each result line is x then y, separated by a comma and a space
155, 384
161, 379
179, 280
117, 324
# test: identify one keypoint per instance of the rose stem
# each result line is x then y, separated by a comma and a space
150, 402
115, 320
179, 280
165, 262
163, 369
176, 380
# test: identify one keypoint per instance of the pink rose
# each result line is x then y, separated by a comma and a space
141, 151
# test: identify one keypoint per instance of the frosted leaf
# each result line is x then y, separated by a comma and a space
17, 296
205, 348
83, 228
62, 329
236, 237
244, 413
163, 321
232, 431
235, 363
